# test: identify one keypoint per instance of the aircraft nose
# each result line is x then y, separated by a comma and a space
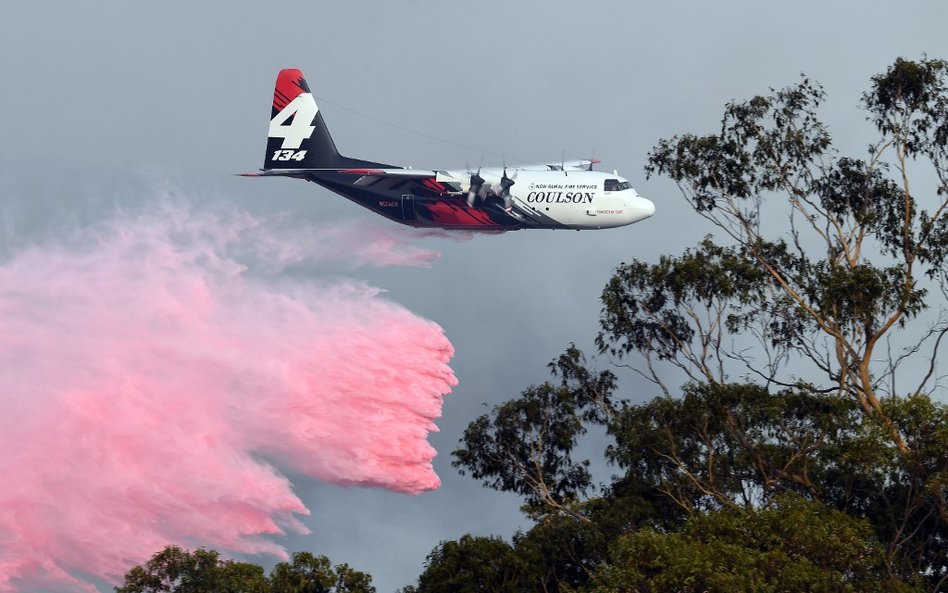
640, 208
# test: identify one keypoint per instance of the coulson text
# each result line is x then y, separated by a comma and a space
560, 197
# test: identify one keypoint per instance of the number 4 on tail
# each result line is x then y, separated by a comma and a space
294, 123
288, 155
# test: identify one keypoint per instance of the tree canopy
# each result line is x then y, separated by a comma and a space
804, 450
175, 570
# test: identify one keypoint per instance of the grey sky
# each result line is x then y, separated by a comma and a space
184, 88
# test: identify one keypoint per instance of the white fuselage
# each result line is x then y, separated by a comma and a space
576, 199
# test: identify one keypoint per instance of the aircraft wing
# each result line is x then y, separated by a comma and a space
576, 165
399, 173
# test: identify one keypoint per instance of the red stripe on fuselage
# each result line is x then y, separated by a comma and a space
432, 184
459, 215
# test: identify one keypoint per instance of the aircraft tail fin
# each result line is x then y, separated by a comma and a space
298, 137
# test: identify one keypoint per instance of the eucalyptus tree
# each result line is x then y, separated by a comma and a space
819, 257
807, 331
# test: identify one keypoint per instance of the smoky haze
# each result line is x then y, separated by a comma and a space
183, 88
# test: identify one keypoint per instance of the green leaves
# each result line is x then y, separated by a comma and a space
852, 193
525, 444
174, 570
765, 143
910, 103
659, 309
474, 565
727, 445
791, 545
849, 249
307, 573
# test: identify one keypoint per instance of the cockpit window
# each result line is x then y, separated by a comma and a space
616, 185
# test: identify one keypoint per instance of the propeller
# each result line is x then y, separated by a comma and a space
505, 183
477, 184
592, 160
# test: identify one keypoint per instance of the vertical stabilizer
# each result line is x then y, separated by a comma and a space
298, 137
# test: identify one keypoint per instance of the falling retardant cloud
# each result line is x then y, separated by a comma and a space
161, 372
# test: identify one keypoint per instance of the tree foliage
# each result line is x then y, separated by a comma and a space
738, 446
474, 564
790, 545
805, 451
829, 282
525, 445
175, 570
307, 573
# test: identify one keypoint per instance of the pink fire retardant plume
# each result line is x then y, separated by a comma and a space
154, 386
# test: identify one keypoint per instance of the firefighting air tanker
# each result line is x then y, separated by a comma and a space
566, 195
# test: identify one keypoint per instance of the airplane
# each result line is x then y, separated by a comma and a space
565, 195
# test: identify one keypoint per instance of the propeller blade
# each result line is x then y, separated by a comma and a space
476, 180
506, 182
476, 185
592, 160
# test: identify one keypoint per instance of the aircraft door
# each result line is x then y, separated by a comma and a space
408, 207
